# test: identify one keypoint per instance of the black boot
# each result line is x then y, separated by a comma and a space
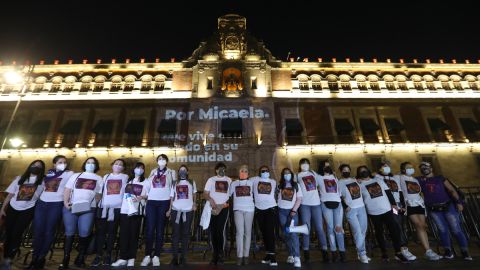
306, 255
334, 256
343, 256
40, 263
82, 249
326, 259
174, 261
67, 248
214, 260
32, 264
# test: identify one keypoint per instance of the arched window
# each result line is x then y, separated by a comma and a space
345, 83
430, 82
56, 84
332, 83
472, 82
316, 82
402, 82
69, 83
39, 84
146, 83
116, 83
129, 83
303, 82
445, 82
86, 84
417, 83
361, 83
373, 82
99, 83
390, 82
159, 83
457, 82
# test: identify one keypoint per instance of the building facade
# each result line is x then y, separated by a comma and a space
233, 101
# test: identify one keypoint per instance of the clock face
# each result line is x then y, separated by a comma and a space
232, 43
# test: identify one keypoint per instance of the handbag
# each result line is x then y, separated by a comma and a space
331, 205
80, 207
216, 211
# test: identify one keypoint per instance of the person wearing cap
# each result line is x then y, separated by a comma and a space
444, 205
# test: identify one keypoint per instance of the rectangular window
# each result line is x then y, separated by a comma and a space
293, 131
253, 85
210, 83
232, 128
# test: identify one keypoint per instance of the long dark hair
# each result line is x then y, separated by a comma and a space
141, 178
302, 161
26, 174
363, 167
282, 182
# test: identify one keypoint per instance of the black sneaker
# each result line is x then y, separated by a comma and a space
334, 256
325, 256
306, 256
447, 254
466, 256
343, 257
107, 260
273, 261
267, 259
385, 257
97, 261
399, 257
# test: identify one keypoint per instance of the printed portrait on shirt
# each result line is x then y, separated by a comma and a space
309, 182
182, 192
52, 185
114, 186
221, 186
26, 192
84, 183
134, 189
354, 190
264, 188
242, 191
159, 181
392, 185
431, 187
412, 187
374, 190
330, 185
287, 194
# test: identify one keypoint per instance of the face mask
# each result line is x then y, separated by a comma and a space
265, 175
287, 177
35, 170
305, 167
221, 172
89, 167
162, 162
328, 170
183, 174
61, 167
410, 171
243, 175
138, 171
364, 174
386, 170
117, 168
345, 174
426, 170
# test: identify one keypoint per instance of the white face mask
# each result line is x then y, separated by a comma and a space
162, 162
287, 177
89, 167
117, 168
61, 167
386, 170
305, 167
410, 171
138, 171
265, 175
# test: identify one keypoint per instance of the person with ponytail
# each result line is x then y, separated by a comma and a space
19, 206
182, 207
131, 214
48, 210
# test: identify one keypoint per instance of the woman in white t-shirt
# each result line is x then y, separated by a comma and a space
131, 215
243, 212
182, 207
354, 210
48, 210
266, 211
108, 212
216, 193
158, 187
82, 189
19, 206
289, 200
332, 211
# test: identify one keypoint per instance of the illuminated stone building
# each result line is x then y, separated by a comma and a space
233, 100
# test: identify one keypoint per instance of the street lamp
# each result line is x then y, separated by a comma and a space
15, 77
16, 142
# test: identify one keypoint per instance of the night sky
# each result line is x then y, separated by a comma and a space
163, 29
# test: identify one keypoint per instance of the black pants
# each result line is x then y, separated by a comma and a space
400, 220
217, 231
129, 233
16, 222
266, 222
181, 231
387, 219
106, 232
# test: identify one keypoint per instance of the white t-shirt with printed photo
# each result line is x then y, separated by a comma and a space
351, 192
135, 188
264, 193
242, 192
329, 191
26, 195
183, 195
411, 190
393, 184
309, 184
84, 185
159, 184
219, 188
54, 187
375, 197
112, 190
287, 196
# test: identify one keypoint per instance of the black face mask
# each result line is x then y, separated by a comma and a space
345, 174
221, 172
364, 174
327, 170
183, 174
426, 171
35, 170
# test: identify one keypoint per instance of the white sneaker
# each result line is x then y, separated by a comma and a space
296, 262
432, 256
409, 256
131, 263
146, 261
290, 259
119, 263
364, 259
156, 261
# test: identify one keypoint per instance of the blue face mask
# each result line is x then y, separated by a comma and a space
265, 175
287, 177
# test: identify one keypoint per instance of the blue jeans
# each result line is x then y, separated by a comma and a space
45, 222
358, 220
155, 217
449, 221
334, 221
291, 239
307, 213
84, 222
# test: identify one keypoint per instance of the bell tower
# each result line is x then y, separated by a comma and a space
232, 30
